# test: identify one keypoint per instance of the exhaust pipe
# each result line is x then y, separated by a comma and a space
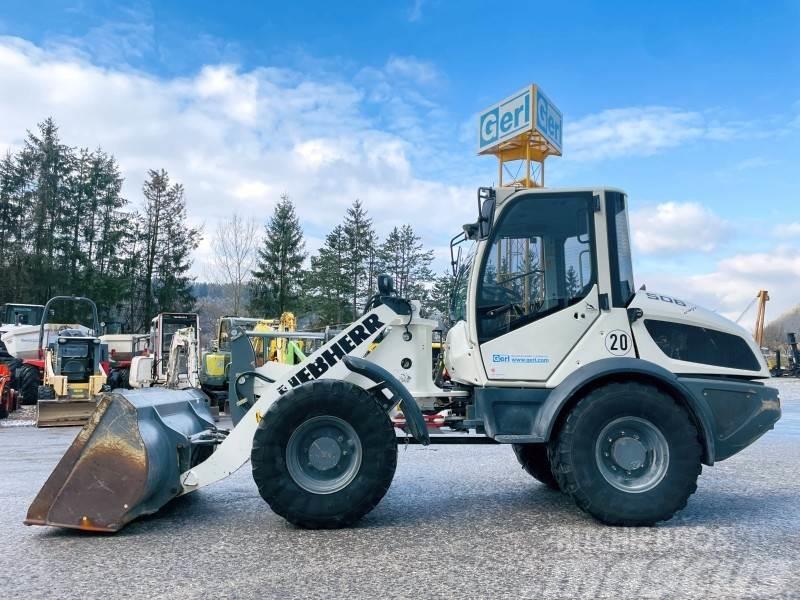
127, 460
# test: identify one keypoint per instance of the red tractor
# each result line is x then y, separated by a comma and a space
9, 401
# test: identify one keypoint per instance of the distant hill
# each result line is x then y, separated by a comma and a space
775, 332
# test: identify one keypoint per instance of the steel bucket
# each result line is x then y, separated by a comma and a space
126, 461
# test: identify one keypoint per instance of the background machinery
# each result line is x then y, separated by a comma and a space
171, 358
613, 396
273, 340
72, 378
9, 401
19, 329
162, 328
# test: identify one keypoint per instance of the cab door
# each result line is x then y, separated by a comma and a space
537, 291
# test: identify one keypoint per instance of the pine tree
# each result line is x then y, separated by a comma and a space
573, 284
441, 295
362, 254
280, 261
329, 280
46, 164
178, 242
155, 190
13, 228
168, 245
404, 258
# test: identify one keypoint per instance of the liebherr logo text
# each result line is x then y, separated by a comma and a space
331, 356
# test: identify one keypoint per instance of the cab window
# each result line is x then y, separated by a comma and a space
540, 260
224, 341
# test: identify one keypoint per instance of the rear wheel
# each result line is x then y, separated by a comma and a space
27, 383
628, 455
536, 463
324, 454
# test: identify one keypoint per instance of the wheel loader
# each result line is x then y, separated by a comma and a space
615, 396
72, 376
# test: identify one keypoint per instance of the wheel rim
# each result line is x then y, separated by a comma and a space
632, 454
323, 455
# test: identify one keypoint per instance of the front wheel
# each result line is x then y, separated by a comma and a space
324, 454
27, 384
628, 455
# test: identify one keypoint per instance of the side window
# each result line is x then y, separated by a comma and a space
620, 260
578, 263
223, 343
540, 260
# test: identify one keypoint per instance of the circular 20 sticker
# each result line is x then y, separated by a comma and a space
618, 342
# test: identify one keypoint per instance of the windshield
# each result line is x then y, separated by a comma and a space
22, 315
458, 298
224, 341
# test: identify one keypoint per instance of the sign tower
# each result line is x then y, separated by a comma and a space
525, 129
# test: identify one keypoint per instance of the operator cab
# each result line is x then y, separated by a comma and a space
77, 356
76, 352
21, 314
543, 265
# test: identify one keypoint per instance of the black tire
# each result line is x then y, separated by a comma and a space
3, 412
27, 384
536, 463
579, 457
46, 392
296, 411
119, 379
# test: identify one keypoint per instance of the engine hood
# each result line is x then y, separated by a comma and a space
666, 307
673, 308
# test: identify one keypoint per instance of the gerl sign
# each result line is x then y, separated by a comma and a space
525, 111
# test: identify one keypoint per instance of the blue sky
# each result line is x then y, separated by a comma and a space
692, 108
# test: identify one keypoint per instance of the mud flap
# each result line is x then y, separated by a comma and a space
126, 461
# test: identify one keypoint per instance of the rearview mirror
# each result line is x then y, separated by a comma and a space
486, 203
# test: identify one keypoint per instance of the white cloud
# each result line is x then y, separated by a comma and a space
787, 230
415, 12
734, 282
677, 227
238, 139
409, 67
630, 131
646, 130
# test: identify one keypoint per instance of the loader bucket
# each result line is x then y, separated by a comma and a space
126, 461
63, 413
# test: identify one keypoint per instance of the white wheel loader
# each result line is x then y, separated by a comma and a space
616, 397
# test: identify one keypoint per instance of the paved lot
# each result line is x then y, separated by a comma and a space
458, 521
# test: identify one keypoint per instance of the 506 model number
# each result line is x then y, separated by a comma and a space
668, 299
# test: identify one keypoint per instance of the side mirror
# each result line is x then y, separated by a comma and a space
486, 202
385, 285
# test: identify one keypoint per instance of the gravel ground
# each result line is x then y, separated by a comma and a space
457, 521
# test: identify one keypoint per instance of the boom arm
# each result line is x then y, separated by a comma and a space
184, 340
327, 362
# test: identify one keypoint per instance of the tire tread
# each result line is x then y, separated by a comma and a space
562, 460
